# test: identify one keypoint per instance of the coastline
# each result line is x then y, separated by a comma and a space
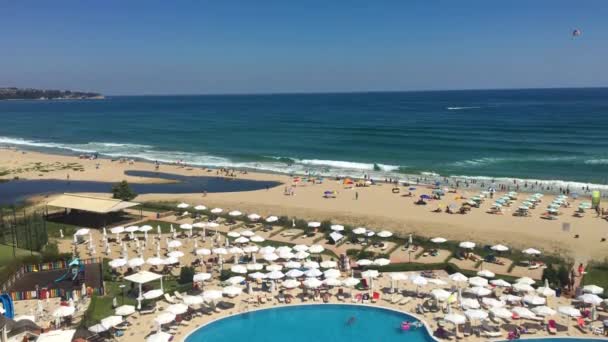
376, 206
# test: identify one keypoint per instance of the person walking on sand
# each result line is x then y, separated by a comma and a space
356, 195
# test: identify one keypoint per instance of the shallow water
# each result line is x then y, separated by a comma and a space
18, 190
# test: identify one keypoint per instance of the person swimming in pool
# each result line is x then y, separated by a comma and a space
351, 320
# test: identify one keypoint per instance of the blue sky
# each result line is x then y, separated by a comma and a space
178, 47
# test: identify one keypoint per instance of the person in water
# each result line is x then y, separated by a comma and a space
351, 320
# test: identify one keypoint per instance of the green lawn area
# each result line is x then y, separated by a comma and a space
53, 228
597, 275
6, 255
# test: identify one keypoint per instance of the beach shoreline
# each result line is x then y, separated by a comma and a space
374, 206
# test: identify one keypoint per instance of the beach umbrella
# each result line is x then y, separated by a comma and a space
364, 262
200, 277
316, 249
440, 294
274, 267
235, 213
235, 250
257, 239
274, 275
332, 273
300, 248
569, 311
200, 207
525, 280
594, 289
467, 245
546, 291
235, 280
211, 295
241, 240
493, 302
350, 282
332, 282
328, 264
254, 217
313, 272
164, 318
257, 275
312, 283
590, 298
455, 319
177, 309
185, 226
501, 312
247, 233
522, 287
314, 224
385, 234
311, 264
270, 257
175, 254
293, 264
267, 250
174, 244
254, 267
232, 291
136, 262
382, 261
500, 248
217, 210
145, 228
152, 294
111, 321
438, 240
469, 303
240, 269
290, 283
337, 227
116, 263
476, 315
479, 291
98, 328
359, 230
294, 273
531, 251
193, 300
64, 311
534, 300
478, 281
271, 219
125, 310
233, 234
155, 261
159, 337
301, 255
203, 251
486, 274
458, 277
370, 274
523, 312
543, 311
219, 251
500, 283
511, 298
213, 224
251, 249
183, 205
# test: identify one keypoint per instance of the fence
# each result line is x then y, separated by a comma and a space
22, 229
48, 293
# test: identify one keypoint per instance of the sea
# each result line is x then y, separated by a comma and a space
551, 136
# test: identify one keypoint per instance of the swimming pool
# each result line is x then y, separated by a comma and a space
306, 323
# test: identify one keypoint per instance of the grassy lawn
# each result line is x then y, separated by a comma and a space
53, 228
597, 275
6, 255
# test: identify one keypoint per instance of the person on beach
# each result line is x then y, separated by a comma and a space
356, 195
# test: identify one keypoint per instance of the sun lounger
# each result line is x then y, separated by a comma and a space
340, 295
375, 297
169, 299
552, 327
405, 300
178, 295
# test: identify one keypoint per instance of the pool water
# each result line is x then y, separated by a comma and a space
306, 323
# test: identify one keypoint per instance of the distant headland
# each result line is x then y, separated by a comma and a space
13, 93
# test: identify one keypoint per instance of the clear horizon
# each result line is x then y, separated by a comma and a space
237, 47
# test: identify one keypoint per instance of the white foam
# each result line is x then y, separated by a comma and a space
596, 162
461, 108
347, 165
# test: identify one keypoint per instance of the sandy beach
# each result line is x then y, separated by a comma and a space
375, 206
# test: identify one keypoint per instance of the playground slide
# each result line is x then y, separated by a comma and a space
64, 276
7, 303
69, 273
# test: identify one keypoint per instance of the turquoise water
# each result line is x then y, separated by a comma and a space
308, 323
552, 134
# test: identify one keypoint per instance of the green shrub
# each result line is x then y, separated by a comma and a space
186, 275
123, 191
